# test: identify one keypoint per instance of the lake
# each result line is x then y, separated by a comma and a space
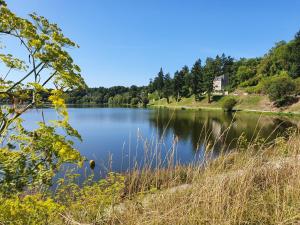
122, 138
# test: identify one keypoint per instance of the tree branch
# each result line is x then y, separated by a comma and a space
22, 41
7, 73
46, 81
27, 75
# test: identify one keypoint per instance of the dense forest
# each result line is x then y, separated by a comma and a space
277, 74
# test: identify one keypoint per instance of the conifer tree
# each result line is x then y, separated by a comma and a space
197, 82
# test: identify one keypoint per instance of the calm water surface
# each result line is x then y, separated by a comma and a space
116, 138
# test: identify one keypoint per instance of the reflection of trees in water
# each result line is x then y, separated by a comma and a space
201, 127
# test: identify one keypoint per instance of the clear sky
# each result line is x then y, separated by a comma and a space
125, 42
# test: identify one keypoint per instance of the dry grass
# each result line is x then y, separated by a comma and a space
258, 185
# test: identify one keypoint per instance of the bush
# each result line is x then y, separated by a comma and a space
31, 209
228, 103
297, 83
253, 90
134, 101
145, 101
280, 89
251, 82
89, 203
288, 100
153, 96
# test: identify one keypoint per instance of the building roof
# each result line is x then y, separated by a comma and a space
222, 77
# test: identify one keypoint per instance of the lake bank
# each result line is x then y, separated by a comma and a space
256, 183
249, 103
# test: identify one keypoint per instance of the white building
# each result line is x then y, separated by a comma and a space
220, 83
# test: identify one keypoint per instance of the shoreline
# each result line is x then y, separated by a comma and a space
266, 112
185, 107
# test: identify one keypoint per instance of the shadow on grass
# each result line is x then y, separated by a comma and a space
217, 98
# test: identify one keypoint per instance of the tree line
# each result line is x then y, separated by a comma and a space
253, 75
281, 65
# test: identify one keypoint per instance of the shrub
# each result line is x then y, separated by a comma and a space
297, 83
153, 96
134, 101
251, 82
32, 209
280, 89
252, 90
90, 202
145, 101
228, 103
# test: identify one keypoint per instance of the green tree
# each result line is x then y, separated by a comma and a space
133, 92
186, 89
281, 90
228, 68
246, 72
210, 71
158, 83
30, 158
197, 82
144, 98
295, 56
168, 87
282, 57
178, 85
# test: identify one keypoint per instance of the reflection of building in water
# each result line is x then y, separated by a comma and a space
216, 128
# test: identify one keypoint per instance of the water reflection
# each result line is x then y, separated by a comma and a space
121, 134
221, 128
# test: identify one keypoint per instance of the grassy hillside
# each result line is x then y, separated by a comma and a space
251, 102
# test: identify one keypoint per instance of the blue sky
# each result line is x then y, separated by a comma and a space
125, 42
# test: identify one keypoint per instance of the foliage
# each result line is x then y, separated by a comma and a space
31, 158
280, 89
117, 95
144, 100
228, 103
247, 69
186, 88
249, 73
90, 202
168, 87
297, 83
283, 57
197, 80
31, 209
153, 96
134, 101
87, 203
250, 82
210, 71
178, 85
158, 83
